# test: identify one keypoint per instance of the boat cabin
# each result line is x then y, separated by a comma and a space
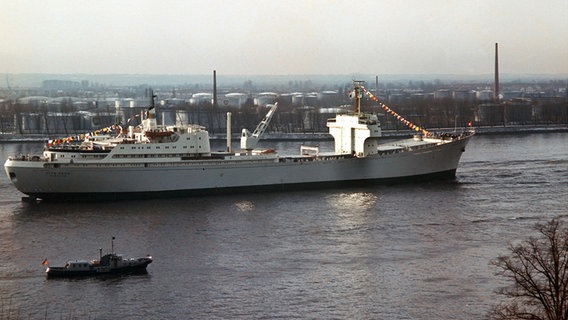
78, 265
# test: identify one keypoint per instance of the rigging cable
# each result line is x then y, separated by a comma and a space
396, 115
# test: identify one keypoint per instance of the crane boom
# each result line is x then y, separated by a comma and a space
248, 140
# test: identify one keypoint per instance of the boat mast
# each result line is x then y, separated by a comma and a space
357, 96
151, 110
112, 245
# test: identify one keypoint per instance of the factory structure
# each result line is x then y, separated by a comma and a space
70, 107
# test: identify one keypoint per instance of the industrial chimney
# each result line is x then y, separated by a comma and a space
214, 88
496, 85
377, 86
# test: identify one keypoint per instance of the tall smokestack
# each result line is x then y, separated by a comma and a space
496, 85
377, 86
214, 88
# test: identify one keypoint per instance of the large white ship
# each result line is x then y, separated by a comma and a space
151, 160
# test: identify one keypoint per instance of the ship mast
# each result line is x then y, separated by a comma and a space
152, 109
357, 96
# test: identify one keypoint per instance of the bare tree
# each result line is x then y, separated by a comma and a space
538, 268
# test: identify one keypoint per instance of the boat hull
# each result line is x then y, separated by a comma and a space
77, 182
114, 196
62, 272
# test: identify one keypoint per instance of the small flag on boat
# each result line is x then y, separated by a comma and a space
44, 263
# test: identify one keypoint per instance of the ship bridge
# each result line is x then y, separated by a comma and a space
355, 134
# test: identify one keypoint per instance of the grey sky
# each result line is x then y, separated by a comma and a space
283, 37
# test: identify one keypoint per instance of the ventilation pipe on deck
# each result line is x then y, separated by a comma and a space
228, 132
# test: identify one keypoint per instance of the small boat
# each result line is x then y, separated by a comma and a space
109, 264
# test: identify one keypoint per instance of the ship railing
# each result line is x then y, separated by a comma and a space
446, 136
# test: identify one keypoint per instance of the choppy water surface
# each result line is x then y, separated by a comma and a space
411, 251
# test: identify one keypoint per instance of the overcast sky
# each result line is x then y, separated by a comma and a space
283, 37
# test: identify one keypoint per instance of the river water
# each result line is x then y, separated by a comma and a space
407, 251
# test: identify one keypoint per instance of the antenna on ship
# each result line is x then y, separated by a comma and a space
152, 104
357, 96
112, 245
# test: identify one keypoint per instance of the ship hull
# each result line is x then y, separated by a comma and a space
77, 182
114, 196
62, 272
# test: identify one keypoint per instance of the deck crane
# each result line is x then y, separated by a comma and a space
248, 140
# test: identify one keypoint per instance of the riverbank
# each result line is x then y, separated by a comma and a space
277, 136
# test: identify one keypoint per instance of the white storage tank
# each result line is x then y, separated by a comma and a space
484, 95
297, 99
463, 95
311, 99
235, 99
442, 94
264, 98
328, 98
202, 97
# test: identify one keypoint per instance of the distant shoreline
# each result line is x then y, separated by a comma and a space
35, 80
496, 130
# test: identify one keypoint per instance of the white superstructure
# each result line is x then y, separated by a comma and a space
152, 160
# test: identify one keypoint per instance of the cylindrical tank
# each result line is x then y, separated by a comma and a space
167, 117
442, 94
484, 95
264, 98
285, 98
235, 99
297, 99
311, 99
202, 97
327, 98
31, 122
463, 95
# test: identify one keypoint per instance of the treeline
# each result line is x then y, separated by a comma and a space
428, 113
